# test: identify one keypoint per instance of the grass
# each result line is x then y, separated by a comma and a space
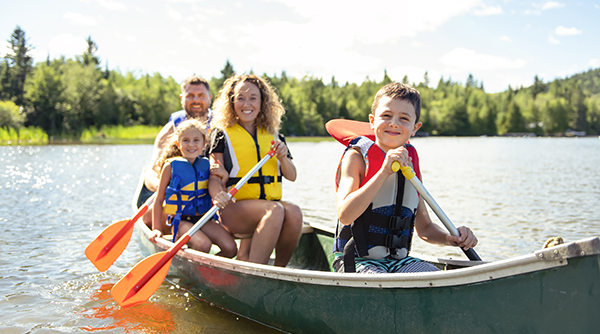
25, 136
118, 134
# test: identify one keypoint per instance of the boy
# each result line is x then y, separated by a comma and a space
378, 210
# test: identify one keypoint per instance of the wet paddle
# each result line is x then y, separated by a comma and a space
110, 244
409, 174
144, 279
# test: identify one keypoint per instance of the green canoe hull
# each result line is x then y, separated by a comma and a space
550, 291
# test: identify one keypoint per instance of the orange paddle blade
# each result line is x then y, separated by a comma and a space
344, 130
110, 244
143, 280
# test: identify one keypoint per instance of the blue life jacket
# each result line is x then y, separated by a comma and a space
187, 192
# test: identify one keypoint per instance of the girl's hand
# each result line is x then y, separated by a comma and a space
399, 154
222, 199
155, 234
466, 240
280, 149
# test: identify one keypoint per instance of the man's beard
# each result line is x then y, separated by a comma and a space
191, 114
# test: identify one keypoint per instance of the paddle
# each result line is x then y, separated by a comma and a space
110, 244
145, 278
409, 174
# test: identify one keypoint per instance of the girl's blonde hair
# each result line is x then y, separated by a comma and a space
171, 150
271, 109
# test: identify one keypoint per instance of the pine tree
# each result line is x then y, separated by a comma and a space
20, 64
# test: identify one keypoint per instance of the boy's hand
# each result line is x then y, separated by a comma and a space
399, 154
466, 240
280, 149
222, 199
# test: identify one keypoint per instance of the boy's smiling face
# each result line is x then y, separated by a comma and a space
393, 123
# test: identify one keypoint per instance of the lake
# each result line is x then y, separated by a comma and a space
513, 192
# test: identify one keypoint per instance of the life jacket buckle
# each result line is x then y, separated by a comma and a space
266, 179
395, 241
396, 223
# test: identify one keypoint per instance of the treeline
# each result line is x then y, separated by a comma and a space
64, 97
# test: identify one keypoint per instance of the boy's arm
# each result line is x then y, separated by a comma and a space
353, 200
435, 234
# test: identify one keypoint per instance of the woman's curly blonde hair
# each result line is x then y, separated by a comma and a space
271, 109
171, 150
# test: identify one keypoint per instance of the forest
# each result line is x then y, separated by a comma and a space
64, 97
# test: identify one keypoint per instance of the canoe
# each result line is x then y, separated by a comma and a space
552, 290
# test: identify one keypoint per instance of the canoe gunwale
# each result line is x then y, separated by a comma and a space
541, 260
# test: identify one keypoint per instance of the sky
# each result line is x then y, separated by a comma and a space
501, 43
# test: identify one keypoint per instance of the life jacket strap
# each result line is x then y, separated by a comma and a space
263, 179
349, 263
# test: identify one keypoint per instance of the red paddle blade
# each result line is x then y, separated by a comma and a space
142, 280
110, 244
344, 130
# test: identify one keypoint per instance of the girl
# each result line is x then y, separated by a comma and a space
183, 191
245, 126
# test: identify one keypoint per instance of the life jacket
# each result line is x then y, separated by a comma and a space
242, 152
386, 227
181, 115
187, 192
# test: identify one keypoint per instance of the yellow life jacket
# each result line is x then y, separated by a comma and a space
242, 153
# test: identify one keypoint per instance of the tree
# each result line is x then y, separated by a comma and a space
386, 78
405, 80
512, 120
217, 83
5, 81
89, 55
579, 118
45, 95
426, 79
10, 116
20, 64
537, 87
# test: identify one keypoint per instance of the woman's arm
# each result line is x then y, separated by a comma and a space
288, 169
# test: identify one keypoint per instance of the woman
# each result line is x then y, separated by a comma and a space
246, 120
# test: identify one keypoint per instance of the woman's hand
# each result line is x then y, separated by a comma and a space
280, 149
222, 199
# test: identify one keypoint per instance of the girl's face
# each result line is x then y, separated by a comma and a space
246, 102
191, 143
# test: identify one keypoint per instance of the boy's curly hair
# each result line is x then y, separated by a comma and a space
399, 91
171, 150
271, 109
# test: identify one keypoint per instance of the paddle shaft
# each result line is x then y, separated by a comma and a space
142, 210
409, 174
197, 226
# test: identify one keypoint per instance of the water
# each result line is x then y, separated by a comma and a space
513, 192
